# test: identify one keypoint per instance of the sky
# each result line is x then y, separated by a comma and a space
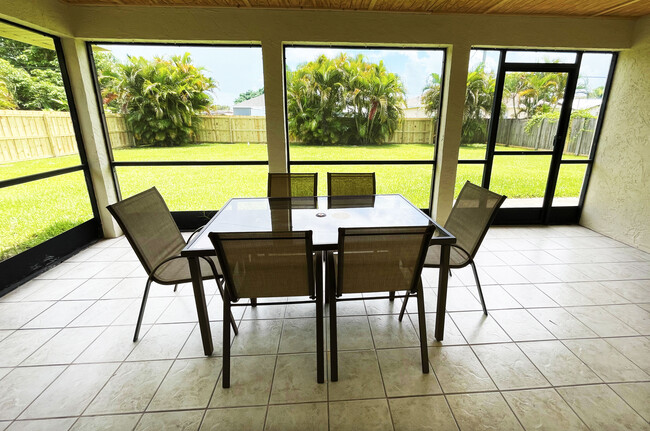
238, 69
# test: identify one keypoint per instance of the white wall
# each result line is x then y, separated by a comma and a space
618, 199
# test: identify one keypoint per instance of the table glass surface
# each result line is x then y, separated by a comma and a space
323, 215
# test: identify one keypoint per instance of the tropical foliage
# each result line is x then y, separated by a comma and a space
161, 98
249, 94
478, 102
531, 93
343, 100
30, 77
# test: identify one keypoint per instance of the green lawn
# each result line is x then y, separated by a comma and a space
33, 212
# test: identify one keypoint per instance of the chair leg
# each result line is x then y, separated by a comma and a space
175, 287
391, 295
233, 323
253, 302
422, 323
334, 360
225, 374
478, 285
406, 300
141, 315
320, 352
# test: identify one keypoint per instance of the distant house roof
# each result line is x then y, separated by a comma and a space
414, 102
580, 103
255, 102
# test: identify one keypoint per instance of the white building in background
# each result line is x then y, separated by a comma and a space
254, 107
414, 108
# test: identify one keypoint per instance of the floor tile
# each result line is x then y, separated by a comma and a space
161, 342
632, 290
460, 299
71, 392
637, 349
20, 344
54, 290
564, 294
636, 395
485, 411
598, 293
520, 325
558, 364
452, 335
106, 423
422, 413
505, 275
264, 312
13, 315
389, 332
21, 386
536, 274
62, 424
401, 371
476, 327
246, 418
295, 380
257, 337
152, 311
496, 297
250, 382
633, 316
543, 410
295, 336
297, 417
193, 348
59, 314
601, 322
509, 367
606, 361
188, 385
359, 377
102, 312
529, 296
366, 415
561, 323
130, 389
180, 310
114, 344
188, 420
601, 409
459, 370
352, 333
64, 347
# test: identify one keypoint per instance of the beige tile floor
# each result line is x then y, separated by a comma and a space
566, 346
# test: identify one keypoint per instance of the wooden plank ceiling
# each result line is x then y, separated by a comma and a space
584, 8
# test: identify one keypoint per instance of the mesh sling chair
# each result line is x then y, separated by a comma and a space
292, 185
154, 236
468, 221
355, 184
269, 265
377, 260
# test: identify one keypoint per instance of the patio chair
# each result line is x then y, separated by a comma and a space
154, 236
352, 184
469, 221
269, 265
281, 185
377, 260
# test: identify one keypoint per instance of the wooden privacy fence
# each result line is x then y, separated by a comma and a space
26, 135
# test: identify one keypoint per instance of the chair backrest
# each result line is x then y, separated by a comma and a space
472, 215
266, 264
292, 185
149, 227
354, 184
381, 259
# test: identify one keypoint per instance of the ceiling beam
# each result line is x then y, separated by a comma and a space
612, 9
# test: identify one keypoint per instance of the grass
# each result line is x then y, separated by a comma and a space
34, 212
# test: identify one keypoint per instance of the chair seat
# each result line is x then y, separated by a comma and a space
457, 259
178, 271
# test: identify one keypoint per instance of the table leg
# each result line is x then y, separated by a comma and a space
201, 305
442, 292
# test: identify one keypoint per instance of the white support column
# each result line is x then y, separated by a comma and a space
83, 90
276, 134
451, 122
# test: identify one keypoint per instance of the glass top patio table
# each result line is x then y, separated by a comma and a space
323, 215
